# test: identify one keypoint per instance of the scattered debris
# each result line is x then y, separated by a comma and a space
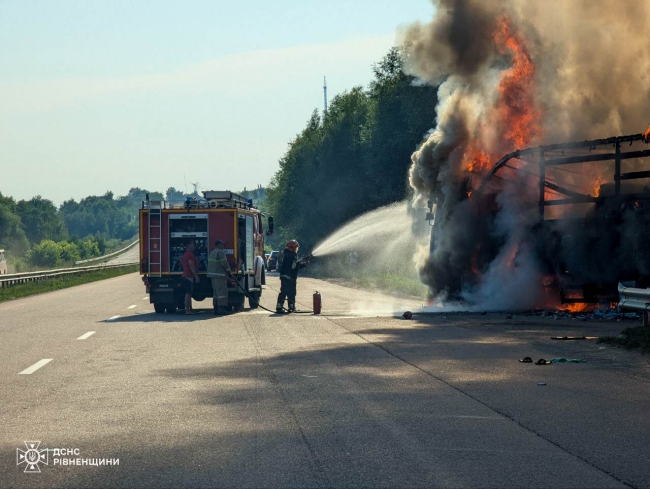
607, 314
407, 315
541, 361
526, 360
574, 337
541, 384
567, 360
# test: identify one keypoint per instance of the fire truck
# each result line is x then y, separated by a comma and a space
166, 228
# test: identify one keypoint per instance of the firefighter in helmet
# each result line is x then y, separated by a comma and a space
289, 276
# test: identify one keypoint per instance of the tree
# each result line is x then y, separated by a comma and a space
356, 158
12, 235
41, 220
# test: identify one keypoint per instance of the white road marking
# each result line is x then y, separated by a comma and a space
113, 318
145, 298
36, 366
132, 307
87, 335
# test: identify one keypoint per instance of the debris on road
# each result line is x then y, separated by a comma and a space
567, 360
574, 337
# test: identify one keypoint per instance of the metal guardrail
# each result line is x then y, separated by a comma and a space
21, 278
631, 299
110, 255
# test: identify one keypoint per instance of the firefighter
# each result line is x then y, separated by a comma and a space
289, 276
218, 271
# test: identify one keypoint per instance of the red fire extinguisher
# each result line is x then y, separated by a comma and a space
317, 302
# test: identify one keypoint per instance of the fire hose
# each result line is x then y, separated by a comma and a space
258, 303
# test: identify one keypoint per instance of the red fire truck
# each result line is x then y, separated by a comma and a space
166, 228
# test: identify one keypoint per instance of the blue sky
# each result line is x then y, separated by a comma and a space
107, 95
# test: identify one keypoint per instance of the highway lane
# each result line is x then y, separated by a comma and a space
347, 399
130, 256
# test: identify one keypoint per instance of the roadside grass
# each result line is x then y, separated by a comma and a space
63, 282
637, 338
398, 279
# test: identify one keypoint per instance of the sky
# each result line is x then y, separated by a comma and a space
105, 95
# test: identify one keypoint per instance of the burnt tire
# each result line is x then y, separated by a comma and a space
159, 308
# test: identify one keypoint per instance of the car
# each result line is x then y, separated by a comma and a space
272, 262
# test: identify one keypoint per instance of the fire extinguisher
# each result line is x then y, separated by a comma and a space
317, 302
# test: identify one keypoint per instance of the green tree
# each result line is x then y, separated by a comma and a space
12, 235
41, 220
353, 159
47, 253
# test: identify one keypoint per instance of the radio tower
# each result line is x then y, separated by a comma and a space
325, 93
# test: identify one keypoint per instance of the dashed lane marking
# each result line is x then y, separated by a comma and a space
145, 298
87, 335
132, 307
113, 318
36, 366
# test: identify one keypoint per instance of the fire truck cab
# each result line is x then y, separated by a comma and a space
165, 230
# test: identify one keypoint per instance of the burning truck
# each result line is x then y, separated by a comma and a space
584, 240
547, 222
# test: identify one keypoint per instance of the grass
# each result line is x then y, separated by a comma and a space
63, 282
637, 338
393, 278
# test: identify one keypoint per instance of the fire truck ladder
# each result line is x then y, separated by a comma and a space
155, 237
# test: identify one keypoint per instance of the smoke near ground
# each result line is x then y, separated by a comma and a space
514, 74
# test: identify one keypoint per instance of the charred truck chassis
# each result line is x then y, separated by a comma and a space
611, 253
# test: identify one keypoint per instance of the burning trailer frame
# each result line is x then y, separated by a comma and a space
611, 205
588, 229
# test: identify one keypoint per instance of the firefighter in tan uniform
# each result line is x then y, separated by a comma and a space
218, 270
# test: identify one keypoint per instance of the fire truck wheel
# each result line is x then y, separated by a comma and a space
263, 280
159, 308
254, 299
170, 308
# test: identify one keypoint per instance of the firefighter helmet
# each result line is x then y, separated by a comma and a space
293, 245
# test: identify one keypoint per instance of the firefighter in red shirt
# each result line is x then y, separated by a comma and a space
190, 275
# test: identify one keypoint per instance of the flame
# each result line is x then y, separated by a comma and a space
646, 135
514, 113
575, 307
517, 116
597, 184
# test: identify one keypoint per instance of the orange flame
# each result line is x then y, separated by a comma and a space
515, 116
597, 184
646, 135
575, 307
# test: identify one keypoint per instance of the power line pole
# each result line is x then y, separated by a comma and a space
325, 94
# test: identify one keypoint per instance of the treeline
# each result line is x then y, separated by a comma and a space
354, 158
38, 234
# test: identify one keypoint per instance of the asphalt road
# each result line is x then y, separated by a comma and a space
130, 256
352, 398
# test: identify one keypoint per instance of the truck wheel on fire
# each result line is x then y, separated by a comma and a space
165, 230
